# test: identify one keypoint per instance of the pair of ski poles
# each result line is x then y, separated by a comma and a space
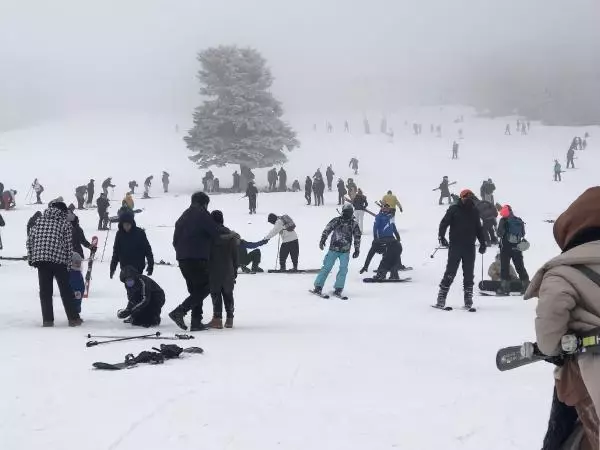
441, 248
157, 335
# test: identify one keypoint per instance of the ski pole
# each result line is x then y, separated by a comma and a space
434, 252
89, 336
482, 266
95, 343
278, 247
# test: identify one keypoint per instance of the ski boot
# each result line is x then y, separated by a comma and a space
47, 324
246, 270
257, 269
379, 276
468, 297
77, 322
504, 289
229, 321
216, 322
441, 298
337, 292
394, 275
177, 316
318, 290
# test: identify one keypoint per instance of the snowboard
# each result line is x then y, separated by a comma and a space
509, 358
406, 269
131, 365
445, 308
494, 294
294, 271
387, 280
493, 286
88, 274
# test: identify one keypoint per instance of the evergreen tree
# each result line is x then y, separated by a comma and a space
240, 121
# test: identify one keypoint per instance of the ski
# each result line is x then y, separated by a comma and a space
387, 280
469, 309
88, 274
294, 271
509, 358
130, 362
319, 294
340, 296
443, 308
13, 258
493, 286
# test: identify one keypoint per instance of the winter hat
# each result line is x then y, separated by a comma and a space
505, 211
582, 215
71, 207
465, 193
272, 218
217, 216
56, 200
128, 273
127, 217
60, 206
201, 199
347, 206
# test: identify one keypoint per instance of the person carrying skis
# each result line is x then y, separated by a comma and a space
360, 205
282, 180
571, 157
455, 150
354, 165
132, 185
308, 190
107, 184
80, 192
465, 227
251, 193
165, 181
286, 228
253, 257
49, 251
131, 247
343, 231
341, 188
569, 303
145, 299
445, 190
90, 193
557, 171
386, 235
103, 204
511, 231
147, 186
329, 173
38, 189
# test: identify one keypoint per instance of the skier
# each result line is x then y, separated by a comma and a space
251, 193
523, 130
579, 144
528, 125
518, 125
319, 190
487, 191
360, 205
107, 184
165, 181
216, 185
507, 130
282, 180
584, 144
131, 247
192, 239
444, 190
557, 171
90, 193
80, 192
384, 127
511, 231
494, 271
147, 186
236, 181
145, 299
78, 237
455, 150
296, 186
343, 230
465, 227
329, 173
272, 179
438, 131
38, 189
103, 204
318, 174
570, 157
386, 235
488, 214
346, 127
352, 188
222, 273
392, 202
308, 190
32, 221
253, 257
49, 251
132, 185
367, 126
128, 203
567, 288
286, 228
354, 165
341, 188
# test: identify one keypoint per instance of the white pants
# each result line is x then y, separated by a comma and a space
359, 215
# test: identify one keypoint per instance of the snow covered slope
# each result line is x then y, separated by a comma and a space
381, 371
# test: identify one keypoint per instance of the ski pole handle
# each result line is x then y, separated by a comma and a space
91, 343
184, 337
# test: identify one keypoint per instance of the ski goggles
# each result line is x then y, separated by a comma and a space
130, 282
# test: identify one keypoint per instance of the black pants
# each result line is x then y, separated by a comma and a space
562, 422
150, 315
341, 198
570, 161
456, 256
252, 257
443, 196
252, 204
195, 273
47, 272
102, 219
390, 258
90, 197
291, 249
218, 298
80, 202
37, 197
308, 197
329, 184
557, 176
489, 232
508, 252
105, 191
166, 187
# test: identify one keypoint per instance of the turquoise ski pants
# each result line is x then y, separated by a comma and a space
328, 262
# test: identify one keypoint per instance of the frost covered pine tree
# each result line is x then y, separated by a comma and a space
240, 120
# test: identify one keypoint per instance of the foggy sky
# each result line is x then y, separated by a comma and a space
60, 57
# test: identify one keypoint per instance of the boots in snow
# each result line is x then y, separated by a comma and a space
442, 294
338, 292
468, 292
216, 322
229, 322
177, 316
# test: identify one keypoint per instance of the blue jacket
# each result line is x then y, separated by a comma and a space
384, 227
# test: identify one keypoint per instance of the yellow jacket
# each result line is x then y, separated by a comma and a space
128, 201
391, 200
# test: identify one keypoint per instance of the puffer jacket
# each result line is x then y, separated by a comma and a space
342, 231
50, 239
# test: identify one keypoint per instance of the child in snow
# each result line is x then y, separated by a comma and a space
145, 299
76, 280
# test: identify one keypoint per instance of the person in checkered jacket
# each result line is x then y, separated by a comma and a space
49, 248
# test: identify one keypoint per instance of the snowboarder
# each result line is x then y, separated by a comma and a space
107, 184
286, 228
308, 190
132, 185
494, 271
272, 179
103, 204
131, 247
343, 230
319, 191
570, 157
392, 202
145, 299
557, 171
511, 232
386, 235
360, 205
252, 257
38, 189
445, 190
455, 150
507, 130
90, 193
296, 186
49, 251
341, 188
465, 227
329, 173
192, 240
251, 193
236, 181
223, 272
147, 186
80, 193
354, 165
165, 181
518, 125
282, 180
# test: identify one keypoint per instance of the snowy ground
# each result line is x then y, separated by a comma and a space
381, 371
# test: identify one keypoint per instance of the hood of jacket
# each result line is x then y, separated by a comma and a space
126, 217
582, 214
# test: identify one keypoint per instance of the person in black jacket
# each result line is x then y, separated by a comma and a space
107, 184
90, 192
308, 190
132, 185
103, 204
329, 173
33, 220
360, 205
282, 174
78, 239
488, 214
341, 187
465, 227
80, 192
194, 232
145, 299
251, 193
131, 247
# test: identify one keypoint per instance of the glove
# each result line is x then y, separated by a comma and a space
322, 245
482, 249
263, 242
443, 241
112, 273
363, 270
400, 209
150, 270
123, 313
356, 253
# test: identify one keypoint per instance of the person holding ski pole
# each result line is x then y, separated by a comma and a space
286, 228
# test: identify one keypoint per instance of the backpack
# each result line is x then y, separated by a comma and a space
288, 223
515, 230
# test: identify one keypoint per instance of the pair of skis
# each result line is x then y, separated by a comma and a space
131, 361
327, 296
450, 308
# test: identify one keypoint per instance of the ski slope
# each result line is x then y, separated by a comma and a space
380, 371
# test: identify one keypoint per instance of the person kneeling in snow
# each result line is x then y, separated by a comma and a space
145, 299
494, 270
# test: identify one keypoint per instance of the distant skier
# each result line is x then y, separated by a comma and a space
487, 191
132, 185
511, 231
38, 189
282, 174
251, 193
570, 158
90, 193
329, 127
455, 150
384, 126
145, 299
557, 171
346, 127
367, 126
103, 204
386, 235
528, 125
360, 205
584, 144
216, 185
438, 131
329, 173
343, 231
80, 192
352, 188
107, 184
341, 188
465, 227
354, 165
286, 228
165, 181
507, 130
523, 130
236, 181
308, 190
147, 186
319, 191
296, 186
272, 179
445, 190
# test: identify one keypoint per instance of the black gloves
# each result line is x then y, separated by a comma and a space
123, 313
443, 241
482, 248
150, 270
363, 270
356, 253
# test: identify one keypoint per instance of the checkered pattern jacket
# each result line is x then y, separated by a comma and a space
50, 239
